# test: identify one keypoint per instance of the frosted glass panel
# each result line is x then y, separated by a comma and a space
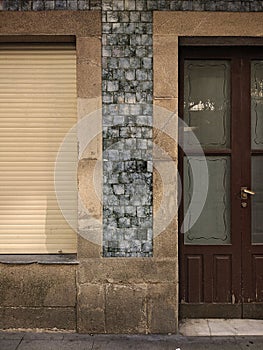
257, 200
207, 101
213, 225
257, 104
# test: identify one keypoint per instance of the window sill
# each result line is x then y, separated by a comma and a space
41, 259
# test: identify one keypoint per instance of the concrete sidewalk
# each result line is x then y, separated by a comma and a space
67, 341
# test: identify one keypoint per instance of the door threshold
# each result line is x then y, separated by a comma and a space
215, 327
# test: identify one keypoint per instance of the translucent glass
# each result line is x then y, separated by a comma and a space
257, 104
213, 225
257, 200
207, 101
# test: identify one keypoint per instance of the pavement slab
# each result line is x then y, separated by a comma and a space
64, 341
221, 327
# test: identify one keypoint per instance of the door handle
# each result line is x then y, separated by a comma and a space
252, 193
245, 192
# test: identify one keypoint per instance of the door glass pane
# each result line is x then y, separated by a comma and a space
257, 104
213, 225
257, 200
207, 101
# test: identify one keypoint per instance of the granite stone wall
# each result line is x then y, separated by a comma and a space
116, 295
127, 95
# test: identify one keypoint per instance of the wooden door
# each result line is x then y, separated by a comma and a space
221, 255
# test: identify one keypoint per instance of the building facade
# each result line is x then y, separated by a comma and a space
99, 87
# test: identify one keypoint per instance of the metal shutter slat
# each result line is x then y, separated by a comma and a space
37, 109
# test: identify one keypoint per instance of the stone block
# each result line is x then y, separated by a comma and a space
88, 67
152, 4
135, 16
83, 4
51, 22
126, 308
141, 270
162, 308
60, 4
165, 131
141, 5
112, 16
146, 16
129, 5
50, 5
118, 5
26, 5
91, 308
37, 285
11, 5
199, 23
38, 318
89, 130
165, 66
165, 243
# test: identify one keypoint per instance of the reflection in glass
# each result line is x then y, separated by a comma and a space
257, 104
257, 200
213, 225
207, 101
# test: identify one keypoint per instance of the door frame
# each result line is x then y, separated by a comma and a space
242, 274
171, 29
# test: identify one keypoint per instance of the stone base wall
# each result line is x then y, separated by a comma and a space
116, 294
127, 296
38, 296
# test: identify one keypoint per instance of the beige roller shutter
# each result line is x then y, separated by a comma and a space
37, 108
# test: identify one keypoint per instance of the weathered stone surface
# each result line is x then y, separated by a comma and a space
162, 308
166, 202
169, 104
91, 308
51, 22
125, 270
87, 76
126, 308
165, 146
10, 344
88, 107
89, 67
90, 187
87, 249
89, 129
166, 242
38, 285
208, 23
38, 317
165, 65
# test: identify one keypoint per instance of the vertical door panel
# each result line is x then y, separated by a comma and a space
195, 282
210, 250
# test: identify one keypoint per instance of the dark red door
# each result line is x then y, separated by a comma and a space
221, 242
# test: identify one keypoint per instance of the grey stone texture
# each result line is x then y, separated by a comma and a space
132, 10
127, 141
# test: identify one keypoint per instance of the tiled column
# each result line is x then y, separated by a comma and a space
127, 132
